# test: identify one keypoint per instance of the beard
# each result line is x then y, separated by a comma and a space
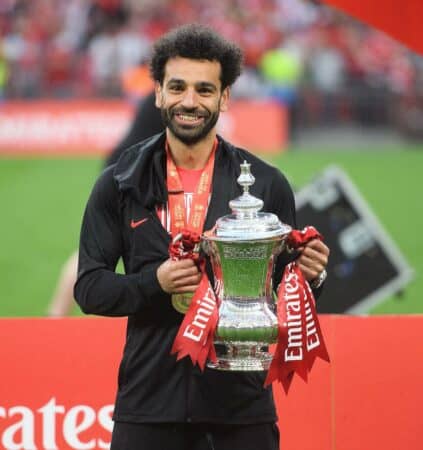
189, 134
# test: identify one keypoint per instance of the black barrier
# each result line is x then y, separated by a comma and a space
365, 265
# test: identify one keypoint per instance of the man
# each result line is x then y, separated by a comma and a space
162, 403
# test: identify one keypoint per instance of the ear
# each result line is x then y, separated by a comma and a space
224, 100
158, 91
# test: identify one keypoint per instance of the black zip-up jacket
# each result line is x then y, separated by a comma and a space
152, 386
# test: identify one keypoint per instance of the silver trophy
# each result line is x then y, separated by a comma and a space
242, 247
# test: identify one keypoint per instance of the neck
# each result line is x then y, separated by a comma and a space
191, 156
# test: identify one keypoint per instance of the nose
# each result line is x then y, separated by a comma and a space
189, 99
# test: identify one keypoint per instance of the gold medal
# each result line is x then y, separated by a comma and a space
181, 302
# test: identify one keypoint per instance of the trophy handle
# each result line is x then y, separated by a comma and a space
282, 246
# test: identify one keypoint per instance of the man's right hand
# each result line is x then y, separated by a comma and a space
178, 276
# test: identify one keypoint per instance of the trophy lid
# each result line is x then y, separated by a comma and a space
246, 222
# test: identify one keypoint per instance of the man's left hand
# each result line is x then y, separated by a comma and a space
313, 259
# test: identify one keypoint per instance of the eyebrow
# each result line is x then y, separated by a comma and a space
198, 85
205, 84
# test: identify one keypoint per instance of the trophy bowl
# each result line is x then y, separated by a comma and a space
242, 248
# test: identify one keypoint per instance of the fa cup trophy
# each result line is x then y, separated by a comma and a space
243, 247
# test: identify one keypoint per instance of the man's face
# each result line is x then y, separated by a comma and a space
191, 98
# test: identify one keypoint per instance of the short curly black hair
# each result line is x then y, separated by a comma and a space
196, 41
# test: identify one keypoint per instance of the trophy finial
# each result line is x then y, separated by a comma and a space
246, 178
246, 206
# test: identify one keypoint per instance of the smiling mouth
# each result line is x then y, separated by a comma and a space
189, 118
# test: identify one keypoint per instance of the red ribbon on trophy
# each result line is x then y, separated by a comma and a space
196, 333
300, 339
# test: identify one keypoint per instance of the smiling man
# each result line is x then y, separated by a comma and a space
181, 179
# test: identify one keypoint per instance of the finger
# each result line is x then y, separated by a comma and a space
179, 274
312, 265
178, 270
167, 275
190, 267
315, 256
183, 264
312, 271
308, 273
319, 246
313, 260
186, 280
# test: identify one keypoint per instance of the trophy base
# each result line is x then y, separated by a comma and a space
241, 356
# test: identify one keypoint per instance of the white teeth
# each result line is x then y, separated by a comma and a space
188, 118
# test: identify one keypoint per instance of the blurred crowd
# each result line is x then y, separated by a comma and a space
322, 64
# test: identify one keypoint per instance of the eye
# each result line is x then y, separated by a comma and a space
205, 91
176, 87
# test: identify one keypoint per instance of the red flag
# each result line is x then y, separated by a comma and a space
400, 19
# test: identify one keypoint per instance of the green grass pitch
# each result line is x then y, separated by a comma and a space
42, 201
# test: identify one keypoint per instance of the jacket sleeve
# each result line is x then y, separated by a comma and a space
98, 289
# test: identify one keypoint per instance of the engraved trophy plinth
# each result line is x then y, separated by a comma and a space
242, 249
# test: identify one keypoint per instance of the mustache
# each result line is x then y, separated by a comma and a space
196, 111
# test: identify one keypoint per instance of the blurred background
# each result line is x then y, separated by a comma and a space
345, 94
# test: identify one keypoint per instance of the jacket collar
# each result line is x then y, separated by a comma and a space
140, 171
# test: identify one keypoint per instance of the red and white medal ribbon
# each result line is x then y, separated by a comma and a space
196, 333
